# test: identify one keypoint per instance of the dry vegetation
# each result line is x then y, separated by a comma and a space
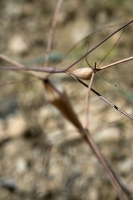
42, 155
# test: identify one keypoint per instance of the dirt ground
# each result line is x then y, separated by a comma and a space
42, 155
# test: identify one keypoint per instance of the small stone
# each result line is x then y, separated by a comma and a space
17, 45
126, 165
8, 183
93, 194
21, 166
16, 126
108, 135
77, 34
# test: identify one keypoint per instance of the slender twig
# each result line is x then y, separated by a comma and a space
113, 178
38, 69
115, 63
19, 65
86, 125
103, 98
52, 31
111, 49
51, 69
95, 148
10, 60
100, 44
55, 70
85, 37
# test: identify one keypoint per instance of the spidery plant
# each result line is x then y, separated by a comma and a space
59, 98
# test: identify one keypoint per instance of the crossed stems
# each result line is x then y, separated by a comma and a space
56, 70
96, 150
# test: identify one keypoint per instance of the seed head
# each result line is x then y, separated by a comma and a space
82, 73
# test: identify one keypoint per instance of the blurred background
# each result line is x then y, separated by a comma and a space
42, 155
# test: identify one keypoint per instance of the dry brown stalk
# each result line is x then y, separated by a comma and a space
104, 99
113, 178
86, 125
52, 31
121, 190
57, 96
60, 100
115, 63
19, 65
100, 44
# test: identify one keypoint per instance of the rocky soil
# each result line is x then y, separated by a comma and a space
42, 155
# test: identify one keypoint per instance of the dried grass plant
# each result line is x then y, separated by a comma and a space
57, 96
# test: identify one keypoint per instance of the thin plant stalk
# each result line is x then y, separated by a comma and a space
113, 178
96, 150
85, 37
115, 63
86, 125
52, 31
100, 43
38, 69
50, 69
111, 48
55, 70
19, 65
107, 101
